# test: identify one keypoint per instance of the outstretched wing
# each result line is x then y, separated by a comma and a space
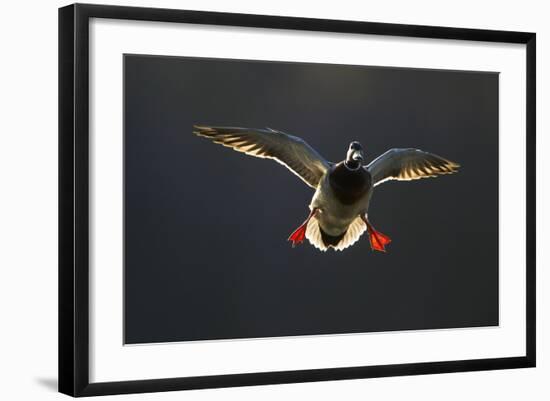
290, 151
408, 164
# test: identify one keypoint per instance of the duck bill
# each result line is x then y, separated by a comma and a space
357, 156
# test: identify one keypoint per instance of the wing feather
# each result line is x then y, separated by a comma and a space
290, 151
409, 164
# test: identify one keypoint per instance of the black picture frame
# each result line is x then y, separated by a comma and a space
74, 198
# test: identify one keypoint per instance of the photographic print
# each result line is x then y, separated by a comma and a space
235, 211
360, 199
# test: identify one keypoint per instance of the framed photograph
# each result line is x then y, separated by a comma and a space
249, 199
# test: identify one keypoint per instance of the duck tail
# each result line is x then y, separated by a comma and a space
331, 240
323, 241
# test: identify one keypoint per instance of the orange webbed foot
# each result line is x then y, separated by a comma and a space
298, 235
378, 241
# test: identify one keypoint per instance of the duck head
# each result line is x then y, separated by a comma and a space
354, 157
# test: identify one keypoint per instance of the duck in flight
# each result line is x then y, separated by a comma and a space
338, 210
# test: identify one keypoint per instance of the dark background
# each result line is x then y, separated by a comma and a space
206, 255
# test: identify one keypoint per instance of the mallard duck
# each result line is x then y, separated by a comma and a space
339, 208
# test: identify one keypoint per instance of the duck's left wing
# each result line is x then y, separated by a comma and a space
290, 151
409, 164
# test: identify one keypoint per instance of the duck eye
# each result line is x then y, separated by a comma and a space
355, 146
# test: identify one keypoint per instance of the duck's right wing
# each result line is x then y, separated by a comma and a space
291, 151
408, 164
